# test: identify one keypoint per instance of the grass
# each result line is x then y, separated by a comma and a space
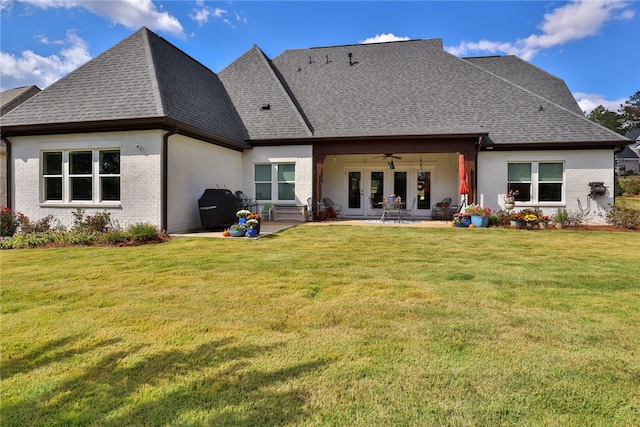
336, 325
632, 202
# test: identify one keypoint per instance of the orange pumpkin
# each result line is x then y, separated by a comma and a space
226, 233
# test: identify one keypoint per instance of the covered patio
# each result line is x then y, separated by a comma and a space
358, 173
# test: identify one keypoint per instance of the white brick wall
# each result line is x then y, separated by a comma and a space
581, 167
301, 155
140, 175
195, 166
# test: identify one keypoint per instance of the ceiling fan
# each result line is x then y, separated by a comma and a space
387, 155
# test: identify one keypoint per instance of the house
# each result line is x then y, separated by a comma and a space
10, 99
143, 129
627, 160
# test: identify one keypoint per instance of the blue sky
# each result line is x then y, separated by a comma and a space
593, 45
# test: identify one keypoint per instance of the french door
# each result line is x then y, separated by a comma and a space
355, 196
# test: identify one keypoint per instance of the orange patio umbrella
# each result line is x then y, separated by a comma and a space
464, 188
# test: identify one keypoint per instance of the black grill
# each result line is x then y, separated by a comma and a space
218, 208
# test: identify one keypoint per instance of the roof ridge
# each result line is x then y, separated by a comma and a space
153, 72
285, 89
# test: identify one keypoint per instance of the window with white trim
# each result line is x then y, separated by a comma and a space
536, 182
91, 176
284, 185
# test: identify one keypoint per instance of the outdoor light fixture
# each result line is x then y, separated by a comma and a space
391, 165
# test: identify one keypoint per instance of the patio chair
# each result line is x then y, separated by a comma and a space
404, 212
316, 209
376, 209
266, 210
332, 210
247, 203
444, 210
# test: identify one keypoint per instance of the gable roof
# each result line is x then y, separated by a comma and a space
409, 88
142, 82
416, 88
12, 98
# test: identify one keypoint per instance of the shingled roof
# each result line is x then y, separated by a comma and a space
141, 81
412, 88
409, 88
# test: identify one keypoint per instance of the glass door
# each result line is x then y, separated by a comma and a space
355, 195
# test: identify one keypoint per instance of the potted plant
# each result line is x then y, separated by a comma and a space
509, 199
531, 219
237, 230
560, 218
252, 227
461, 219
479, 215
543, 221
516, 219
242, 215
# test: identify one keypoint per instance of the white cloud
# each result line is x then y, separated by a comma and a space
132, 14
383, 38
573, 21
201, 13
589, 101
29, 68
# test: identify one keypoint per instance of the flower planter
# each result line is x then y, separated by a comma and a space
242, 220
237, 233
464, 222
542, 225
479, 221
252, 232
509, 206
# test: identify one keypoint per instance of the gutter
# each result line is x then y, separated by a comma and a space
8, 170
164, 198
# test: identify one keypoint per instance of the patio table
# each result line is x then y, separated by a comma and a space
390, 209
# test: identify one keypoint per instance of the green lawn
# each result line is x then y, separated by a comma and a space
327, 325
632, 202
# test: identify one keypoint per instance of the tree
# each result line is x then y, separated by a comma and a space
606, 118
630, 113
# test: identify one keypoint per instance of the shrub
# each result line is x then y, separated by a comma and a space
623, 217
9, 221
81, 237
619, 191
143, 232
114, 237
33, 240
100, 222
40, 226
574, 218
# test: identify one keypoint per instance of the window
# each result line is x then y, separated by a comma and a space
537, 182
284, 186
81, 176
286, 181
263, 182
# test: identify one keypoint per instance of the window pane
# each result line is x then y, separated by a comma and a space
110, 188
80, 162
286, 191
519, 172
53, 188
52, 163
81, 188
377, 186
524, 191
263, 172
550, 172
263, 191
110, 162
287, 172
354, 190
550, 192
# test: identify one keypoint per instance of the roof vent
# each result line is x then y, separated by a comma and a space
266, 107
351, 61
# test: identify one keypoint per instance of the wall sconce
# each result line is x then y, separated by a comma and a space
391, 165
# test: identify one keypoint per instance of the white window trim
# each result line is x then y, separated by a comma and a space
66, 180
535, 181
275, 182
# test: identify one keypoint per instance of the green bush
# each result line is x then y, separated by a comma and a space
43, 225
143, 232
82, 237
114, 237
623, 217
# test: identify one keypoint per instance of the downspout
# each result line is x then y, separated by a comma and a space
8, 170
475, 171
164, 202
